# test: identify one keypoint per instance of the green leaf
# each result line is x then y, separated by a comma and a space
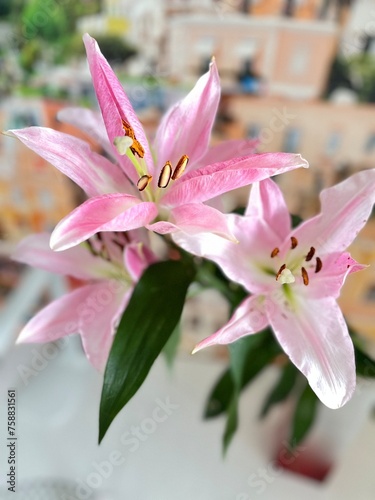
171, 347
220, 395
304, 415
282, 388
365, 366
148, 321
296, 220
258, 350
232, 421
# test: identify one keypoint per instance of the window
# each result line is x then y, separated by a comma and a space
333, 143
370, 294
292, 140
253, 131
370, 144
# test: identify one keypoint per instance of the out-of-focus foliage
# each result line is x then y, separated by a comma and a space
115, 48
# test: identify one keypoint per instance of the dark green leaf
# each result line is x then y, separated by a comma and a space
365, 366
171, 347
258, 350
232, 421
296, 220
148, 321
304, 416
282, 388
220, 396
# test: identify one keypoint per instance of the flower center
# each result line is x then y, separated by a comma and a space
285, 274
129, 142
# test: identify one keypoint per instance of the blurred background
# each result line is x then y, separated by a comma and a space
299, 75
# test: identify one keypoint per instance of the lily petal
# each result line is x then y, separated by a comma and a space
226, 150
73, 157
90, 122
193, 219
186, 128
98, 332
207, 182
345, 209
114, 104
242, 262
315, 337
329, 281
90, 310
267, 202
112, 212
248, 318
79, 262
137, 257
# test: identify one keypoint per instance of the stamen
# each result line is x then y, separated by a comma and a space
274, 252
143, 182
180, 167
319, 265
136, 147
294, 242
280, 271
310, 255
305, 276
165, 175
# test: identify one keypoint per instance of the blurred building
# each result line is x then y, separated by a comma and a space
328, 135
34, 196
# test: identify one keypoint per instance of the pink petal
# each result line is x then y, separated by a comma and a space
315, 337
73, 157
113, 102
242, 262
90, 122
267, 202
194, 219
91, 310
78, 261
186, 128
137, 257
345, 209
206, 183
329, 281
226, 151
98, 329
112, 212
248, 318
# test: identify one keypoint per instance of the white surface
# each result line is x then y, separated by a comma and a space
180, 458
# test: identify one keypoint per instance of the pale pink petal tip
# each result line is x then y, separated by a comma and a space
203, 344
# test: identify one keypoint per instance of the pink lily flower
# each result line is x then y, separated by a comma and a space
109, 266
295, 277
164, 189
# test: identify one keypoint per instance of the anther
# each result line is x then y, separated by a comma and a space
274, 252
319, 265
305, 276
143, 182
165, 175
294, 242
180, 167
136, 147
310, 255
280, 271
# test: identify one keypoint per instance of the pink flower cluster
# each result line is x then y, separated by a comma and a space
293, 276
